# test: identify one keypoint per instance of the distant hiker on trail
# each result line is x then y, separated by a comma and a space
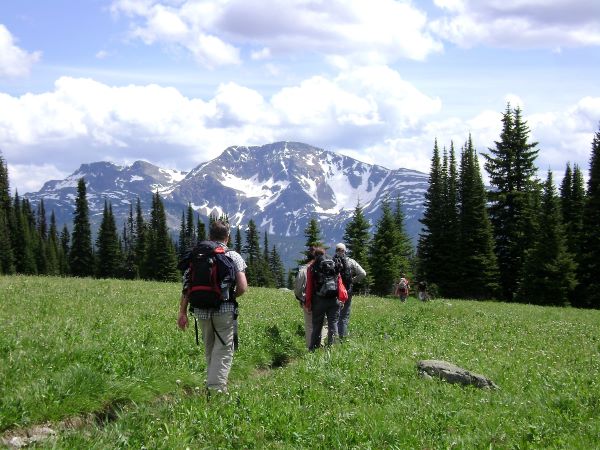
323, 297
402, 288
422, 291
214, 278
351, 273
300, 292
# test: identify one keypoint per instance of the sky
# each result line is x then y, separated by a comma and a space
176, 82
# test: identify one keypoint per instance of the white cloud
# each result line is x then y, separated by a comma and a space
366, 31
14, 61
368, 112
519, 23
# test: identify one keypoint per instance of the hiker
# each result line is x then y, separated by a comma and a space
402, 288
322, 297
422, 291
217, 321
351, 273
300, 292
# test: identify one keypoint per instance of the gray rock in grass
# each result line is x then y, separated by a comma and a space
451, 373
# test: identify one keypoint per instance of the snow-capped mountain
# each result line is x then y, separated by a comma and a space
119, 185
280, 186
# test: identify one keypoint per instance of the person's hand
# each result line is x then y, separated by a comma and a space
182, 321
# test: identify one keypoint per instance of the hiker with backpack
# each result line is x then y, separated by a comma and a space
214, 277
323, 297
351, 272
300, 292
402, 288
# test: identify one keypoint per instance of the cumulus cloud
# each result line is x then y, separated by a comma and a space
367, 31
519, 23
370, 113
14, 61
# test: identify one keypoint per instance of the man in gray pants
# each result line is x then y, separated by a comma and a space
356, 274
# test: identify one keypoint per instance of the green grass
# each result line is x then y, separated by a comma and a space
72, 347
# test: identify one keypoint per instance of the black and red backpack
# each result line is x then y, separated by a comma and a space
211, 276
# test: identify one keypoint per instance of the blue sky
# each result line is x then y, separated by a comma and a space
175, 82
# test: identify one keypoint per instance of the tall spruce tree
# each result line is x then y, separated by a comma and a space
25, 261
65, 245
201, 231
514, 192
572, 201
191, 236
588, 291
52, 248
403, 244
141, 232
384, 253
109, 259
276, 267
549, 269
7, 261
237, 246
160, 258
312, 233
431, 264
252, 250
81, 256
357, 239
476, 268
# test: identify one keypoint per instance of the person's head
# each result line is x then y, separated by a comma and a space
219, 231
313, 252
340, 248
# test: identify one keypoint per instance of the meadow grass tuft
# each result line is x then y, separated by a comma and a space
111, 349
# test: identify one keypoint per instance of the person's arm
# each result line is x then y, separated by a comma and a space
241, 284
359, 273
182, 320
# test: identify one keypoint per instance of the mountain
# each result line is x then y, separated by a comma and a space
280, 186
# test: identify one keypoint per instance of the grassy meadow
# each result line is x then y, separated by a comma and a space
109, 353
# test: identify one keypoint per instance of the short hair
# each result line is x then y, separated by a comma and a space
219, 231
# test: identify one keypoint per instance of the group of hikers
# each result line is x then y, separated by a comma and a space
214, 277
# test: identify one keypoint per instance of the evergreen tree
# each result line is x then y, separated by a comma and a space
252, 250
238, 240
190, 229
22, 245
357, 239
431, 264
42, 226
476, 267
81, 257
160, 258
588, 291
7, 261
449, 282
140, 240
276, 268
514, 192
52, 248
130, 269
313, 239
183, 241
107, 244
384, 254
549, 270
63, 262
403, 244
572, 201
201, 233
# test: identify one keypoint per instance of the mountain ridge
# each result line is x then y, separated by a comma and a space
281, 186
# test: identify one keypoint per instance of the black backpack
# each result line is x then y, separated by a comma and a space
344, 269
211, 276
325, 274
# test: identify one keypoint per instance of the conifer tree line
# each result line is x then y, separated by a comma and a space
521, 240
